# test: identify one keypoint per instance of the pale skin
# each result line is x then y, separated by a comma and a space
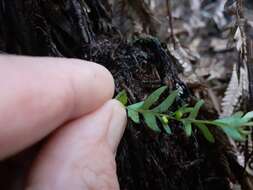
68, 100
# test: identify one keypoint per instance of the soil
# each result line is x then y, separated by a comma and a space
83, 29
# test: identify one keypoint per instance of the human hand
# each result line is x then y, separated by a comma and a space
70, 100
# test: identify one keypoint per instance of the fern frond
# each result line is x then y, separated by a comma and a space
236, 88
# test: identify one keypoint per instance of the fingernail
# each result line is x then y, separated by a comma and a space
117, 125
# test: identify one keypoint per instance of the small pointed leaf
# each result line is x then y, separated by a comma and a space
238, 114
185, 109
133, 115
248, 116
150, 120
167, 129
196, 109
233, 133
165, 105
151, 99
232, 121
136, 106
205, 132
122, 97
187, 127
245, 132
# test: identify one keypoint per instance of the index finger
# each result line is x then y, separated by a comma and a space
40, 94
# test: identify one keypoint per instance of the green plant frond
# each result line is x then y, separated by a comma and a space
235, 126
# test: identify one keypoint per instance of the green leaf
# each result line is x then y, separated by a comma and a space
151, 99
196, 109
188, 127
133, 113
185, 109
122, 97
135, 106
233, 133
150, 120
249, 124
238, 114
165, 105
167, 129
244, 132
248, 116
205, 132
232, 121
235, 121
232, 125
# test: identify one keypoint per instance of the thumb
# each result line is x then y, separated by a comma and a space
81, 155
